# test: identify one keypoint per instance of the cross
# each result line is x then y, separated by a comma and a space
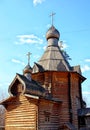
28, 54
51, 15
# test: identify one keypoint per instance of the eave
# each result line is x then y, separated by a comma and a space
75, 72
10, 98
20, 80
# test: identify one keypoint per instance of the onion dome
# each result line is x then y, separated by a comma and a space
52, 33
27, 72
27, 69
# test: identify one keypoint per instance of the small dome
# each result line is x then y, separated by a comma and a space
52, 33
27, 69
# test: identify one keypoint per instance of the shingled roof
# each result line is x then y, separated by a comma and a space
30, 86
53, 58
31, 89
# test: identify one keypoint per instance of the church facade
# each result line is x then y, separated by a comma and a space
47, 96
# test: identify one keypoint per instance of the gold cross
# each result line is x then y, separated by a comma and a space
51, 15
28, 54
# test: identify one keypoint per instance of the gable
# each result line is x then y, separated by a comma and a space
16, 88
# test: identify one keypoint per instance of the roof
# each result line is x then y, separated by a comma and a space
32, 89
30, 86
27, 69
77, 69
52, 59
84, 112
6, 100
37, 68
50, 99
69, 126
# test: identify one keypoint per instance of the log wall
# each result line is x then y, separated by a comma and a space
60, 90
21, 114
48, 116
75, 96
66, 87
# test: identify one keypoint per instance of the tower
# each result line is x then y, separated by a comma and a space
61, 80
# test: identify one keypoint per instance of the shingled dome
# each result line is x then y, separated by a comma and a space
52, 33
53, 58
27, 69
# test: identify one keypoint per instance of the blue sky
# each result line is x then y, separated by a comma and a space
23, 25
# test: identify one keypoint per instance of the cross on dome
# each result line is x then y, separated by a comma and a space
51, 15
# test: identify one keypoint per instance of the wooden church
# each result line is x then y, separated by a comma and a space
47, 96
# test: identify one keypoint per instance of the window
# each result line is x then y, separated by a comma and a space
47, 116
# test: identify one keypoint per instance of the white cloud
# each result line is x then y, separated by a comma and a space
62, 44
18, 62
85, 68
65, 46
87, 60
37, 56
86, 92
28, 39
35, 2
